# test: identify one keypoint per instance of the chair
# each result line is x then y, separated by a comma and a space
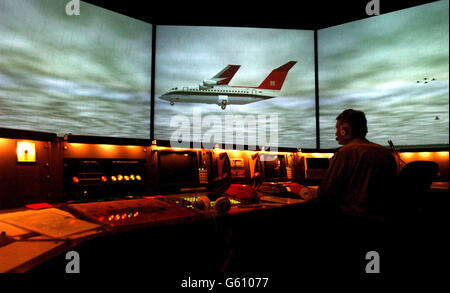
414, 181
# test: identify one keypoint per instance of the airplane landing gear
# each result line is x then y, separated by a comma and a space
172, 103
224, 104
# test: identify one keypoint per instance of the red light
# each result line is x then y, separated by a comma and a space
101, 219
76, 179
126, 177
119, 177
113, 178
138, 177
104, 179
38, 206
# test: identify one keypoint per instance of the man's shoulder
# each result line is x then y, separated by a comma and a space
365, 147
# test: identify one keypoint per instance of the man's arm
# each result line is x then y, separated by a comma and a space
334, 182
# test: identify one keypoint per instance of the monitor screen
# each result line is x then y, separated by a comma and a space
317, 163
231, 85
85, 74
178, 169
395, 68
275, 167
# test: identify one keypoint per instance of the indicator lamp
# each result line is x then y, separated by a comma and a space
26, 151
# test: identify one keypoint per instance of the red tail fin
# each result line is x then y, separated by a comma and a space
224, 76
275, 80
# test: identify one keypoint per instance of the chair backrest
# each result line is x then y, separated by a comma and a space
414, 180
416, 177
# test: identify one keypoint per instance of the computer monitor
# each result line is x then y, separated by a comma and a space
315, 169
317, 163
275, 168
178, 170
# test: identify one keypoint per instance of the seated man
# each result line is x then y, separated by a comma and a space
362, 174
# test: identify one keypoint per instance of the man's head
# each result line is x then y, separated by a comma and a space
350, 124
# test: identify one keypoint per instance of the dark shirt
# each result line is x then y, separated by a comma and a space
360, 179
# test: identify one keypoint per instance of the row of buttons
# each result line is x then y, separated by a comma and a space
113, 178
203, 176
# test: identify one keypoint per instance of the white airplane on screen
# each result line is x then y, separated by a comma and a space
217, 91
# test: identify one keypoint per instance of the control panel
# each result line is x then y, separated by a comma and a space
237, 168
103, 178
203, 175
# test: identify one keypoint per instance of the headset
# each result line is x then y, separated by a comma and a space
344, 131
222, 204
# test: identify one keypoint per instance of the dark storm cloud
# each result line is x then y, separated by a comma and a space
379, 65
398, 47
85, 74
98, 45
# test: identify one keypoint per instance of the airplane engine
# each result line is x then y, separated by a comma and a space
222, 101
209, 83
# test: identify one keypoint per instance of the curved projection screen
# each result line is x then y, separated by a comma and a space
86, 74
191, 71
395, 68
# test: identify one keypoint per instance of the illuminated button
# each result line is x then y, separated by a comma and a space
113, 178
126, 177
111, 218
117, 217
104, 179
76, 179
119, 177
138, 177
132, 177
124, 216
101, 219
135, 214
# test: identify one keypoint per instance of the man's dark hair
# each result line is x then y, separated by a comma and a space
357, 121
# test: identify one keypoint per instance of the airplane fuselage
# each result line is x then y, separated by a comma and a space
217, 91
220, 95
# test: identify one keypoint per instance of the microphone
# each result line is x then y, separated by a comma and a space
391, 144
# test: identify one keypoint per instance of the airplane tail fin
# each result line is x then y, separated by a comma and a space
275, 80
226, 74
